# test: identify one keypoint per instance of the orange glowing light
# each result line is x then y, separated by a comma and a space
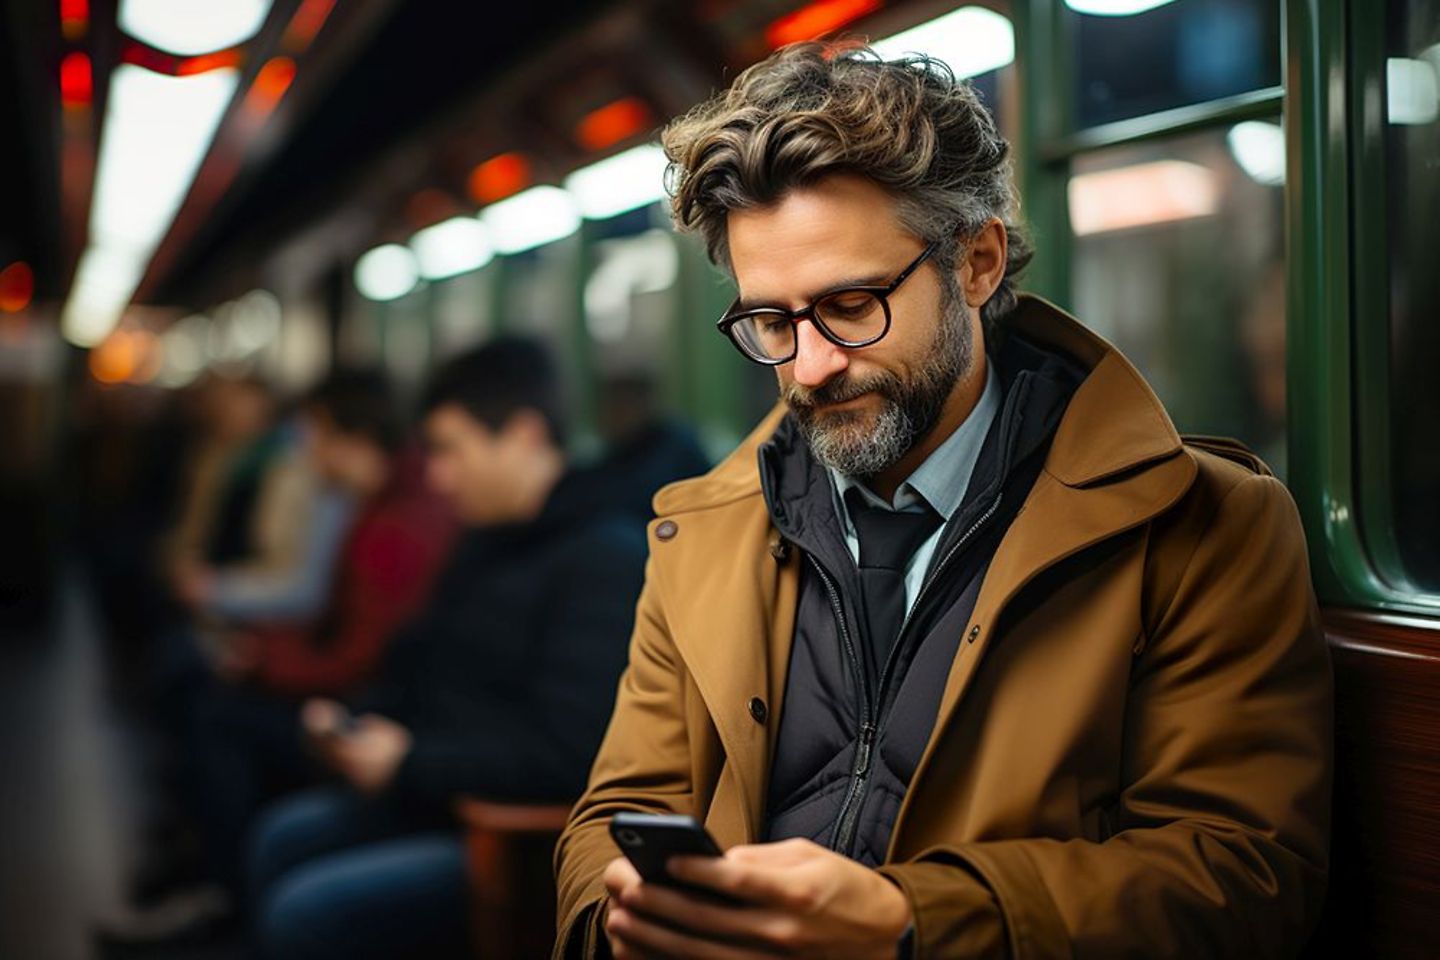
190, 66
270, 85
613, 123
77, 82
306, 24
17, 286
499, 177
1141, 195
817, 19
120, 355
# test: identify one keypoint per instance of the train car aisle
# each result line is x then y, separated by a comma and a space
67, 797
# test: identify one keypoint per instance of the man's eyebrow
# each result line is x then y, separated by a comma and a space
874, 280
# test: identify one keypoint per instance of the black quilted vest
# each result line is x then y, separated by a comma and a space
850, 735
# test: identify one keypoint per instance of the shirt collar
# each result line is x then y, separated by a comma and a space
942, 479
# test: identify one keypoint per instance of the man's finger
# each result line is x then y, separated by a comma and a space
701, 915
751, 882
632, 928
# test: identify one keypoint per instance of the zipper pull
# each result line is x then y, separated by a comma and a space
862, 754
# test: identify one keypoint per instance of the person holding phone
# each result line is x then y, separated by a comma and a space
965, 651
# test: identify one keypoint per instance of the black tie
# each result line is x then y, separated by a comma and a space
887, 542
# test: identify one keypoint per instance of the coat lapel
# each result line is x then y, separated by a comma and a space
1116, 463
734, 621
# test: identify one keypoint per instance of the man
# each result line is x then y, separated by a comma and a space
500, 689
964, 652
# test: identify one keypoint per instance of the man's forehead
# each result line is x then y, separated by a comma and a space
811, 241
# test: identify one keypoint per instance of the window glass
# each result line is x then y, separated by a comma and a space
1412, 157
1178, 260
1183, 52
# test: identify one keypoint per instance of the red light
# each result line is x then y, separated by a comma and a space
77, 84
499, 177
17, 286
270, 85
190, 66
74, 18
817, 19
307, 23
613, 123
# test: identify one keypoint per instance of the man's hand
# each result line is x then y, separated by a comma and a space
236, 657
796, 899
369, 754
192, 582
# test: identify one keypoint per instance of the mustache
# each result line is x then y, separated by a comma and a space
807, 399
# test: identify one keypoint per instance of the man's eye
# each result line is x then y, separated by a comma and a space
849, 306
773, 326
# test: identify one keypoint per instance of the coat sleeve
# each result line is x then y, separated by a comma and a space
1222, 823
644, 765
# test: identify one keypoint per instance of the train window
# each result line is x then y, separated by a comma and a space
1412, 185
464, 308
1178, 259
630, 297
1180, 53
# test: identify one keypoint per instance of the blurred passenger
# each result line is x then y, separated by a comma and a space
965, 652
500, 689
242, 734
644, 449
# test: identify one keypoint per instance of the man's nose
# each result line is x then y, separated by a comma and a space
816, 359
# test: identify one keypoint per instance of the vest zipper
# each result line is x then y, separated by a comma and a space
860, 766
870, 733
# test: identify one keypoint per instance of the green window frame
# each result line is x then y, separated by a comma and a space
1337, 421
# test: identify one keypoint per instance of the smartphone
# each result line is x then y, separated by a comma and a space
650, 839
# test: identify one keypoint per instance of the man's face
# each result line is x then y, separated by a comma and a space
470, 465
860, 409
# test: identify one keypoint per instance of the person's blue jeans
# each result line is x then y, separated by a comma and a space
334, 874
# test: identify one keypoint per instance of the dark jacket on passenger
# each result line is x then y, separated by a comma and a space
507, 679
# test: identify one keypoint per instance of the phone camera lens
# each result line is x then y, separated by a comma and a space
630, 838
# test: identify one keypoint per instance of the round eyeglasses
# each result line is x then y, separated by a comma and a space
847, 316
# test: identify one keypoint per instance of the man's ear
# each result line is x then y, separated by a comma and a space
983, 266
528, 426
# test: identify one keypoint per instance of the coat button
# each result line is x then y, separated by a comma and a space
666, 529
780, 549
758, 710
974, 632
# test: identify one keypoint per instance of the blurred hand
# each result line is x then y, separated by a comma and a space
236, 657
370, 753
192, 582
796, 899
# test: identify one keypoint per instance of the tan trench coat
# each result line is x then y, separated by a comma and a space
1137, 766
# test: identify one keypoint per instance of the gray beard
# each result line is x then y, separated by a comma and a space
864, 446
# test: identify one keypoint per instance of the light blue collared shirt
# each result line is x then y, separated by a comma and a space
941, 481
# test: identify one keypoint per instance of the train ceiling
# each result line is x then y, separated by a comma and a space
351, 119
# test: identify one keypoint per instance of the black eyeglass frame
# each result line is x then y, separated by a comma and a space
880, 292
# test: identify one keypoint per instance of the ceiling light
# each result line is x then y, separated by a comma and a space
615, 185
190, 27
387, 273
971, 40
538, 216
457, 245
1141, 195
1114, 8
157, 131
1259, 148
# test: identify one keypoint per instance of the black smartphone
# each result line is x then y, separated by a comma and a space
650, 839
